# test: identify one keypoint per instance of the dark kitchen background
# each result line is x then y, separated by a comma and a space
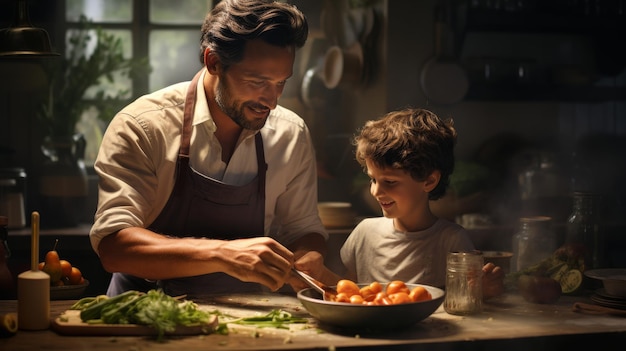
536, 89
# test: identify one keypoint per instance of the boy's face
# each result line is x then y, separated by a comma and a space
401, 197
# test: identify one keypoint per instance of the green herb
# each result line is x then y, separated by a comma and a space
94, 56
96, 311
86, 302
164, 313
154, 309
275, 319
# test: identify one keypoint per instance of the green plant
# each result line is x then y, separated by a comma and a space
83, 68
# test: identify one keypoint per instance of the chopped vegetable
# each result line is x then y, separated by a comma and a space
154, 309
274, 319
163, 313
88, 301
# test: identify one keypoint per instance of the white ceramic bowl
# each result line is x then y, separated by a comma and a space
343, 314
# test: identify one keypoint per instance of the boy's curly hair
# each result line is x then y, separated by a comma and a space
414, 140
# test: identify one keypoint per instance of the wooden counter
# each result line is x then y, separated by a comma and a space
507, 322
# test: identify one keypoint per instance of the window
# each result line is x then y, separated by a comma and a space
165, 31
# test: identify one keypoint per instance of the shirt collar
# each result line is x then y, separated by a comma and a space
201, 112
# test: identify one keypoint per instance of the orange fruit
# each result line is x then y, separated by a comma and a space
419, 293
342, 297
52, 266
348, 287
356, 299
382, 299
397, 286
75, 276
400, 297
66, 268
41, 265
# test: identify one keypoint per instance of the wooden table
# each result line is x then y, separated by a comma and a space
507, 323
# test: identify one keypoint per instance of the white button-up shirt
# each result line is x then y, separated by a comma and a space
136, 165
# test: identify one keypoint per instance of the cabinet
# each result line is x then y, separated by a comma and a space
563, 50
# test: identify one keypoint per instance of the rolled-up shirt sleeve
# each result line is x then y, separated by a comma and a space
135, 166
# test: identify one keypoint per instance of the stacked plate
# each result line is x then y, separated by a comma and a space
613, 293
601, 298
336, 214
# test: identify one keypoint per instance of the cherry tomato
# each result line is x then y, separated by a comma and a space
400, 297
397, 286
348, 286
419, 293
342, 297
369, 292
382, 299
356, 299
330, 297
376, 287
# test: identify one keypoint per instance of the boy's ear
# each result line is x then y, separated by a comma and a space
432, 180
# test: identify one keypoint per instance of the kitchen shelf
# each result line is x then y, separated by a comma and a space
501, 92
601, 23
478, 20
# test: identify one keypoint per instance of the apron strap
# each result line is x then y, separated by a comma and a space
190, 105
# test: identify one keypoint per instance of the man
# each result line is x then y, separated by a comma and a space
210, 186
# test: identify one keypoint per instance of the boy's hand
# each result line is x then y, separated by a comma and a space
493, 280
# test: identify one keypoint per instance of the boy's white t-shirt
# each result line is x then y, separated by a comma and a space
375, 251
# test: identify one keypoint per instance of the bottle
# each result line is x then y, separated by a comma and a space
7, 287
534, 242
464, 287
584, 227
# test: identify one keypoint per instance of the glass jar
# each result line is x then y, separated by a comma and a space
464, 287
534, 242
544, 188
584, 227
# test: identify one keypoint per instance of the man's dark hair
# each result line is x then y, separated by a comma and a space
232, 23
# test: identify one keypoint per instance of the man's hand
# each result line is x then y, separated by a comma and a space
262, 260
311, 263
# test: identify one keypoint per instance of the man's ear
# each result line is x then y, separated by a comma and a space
432, 180
211, 61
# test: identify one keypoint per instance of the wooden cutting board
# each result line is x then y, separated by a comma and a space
69, 323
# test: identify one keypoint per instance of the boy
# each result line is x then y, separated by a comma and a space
409, 156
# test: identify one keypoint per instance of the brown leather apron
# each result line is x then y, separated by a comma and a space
200, 206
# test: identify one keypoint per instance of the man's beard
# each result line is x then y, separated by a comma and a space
233, 110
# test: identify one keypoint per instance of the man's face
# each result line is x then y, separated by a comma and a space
249, 89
